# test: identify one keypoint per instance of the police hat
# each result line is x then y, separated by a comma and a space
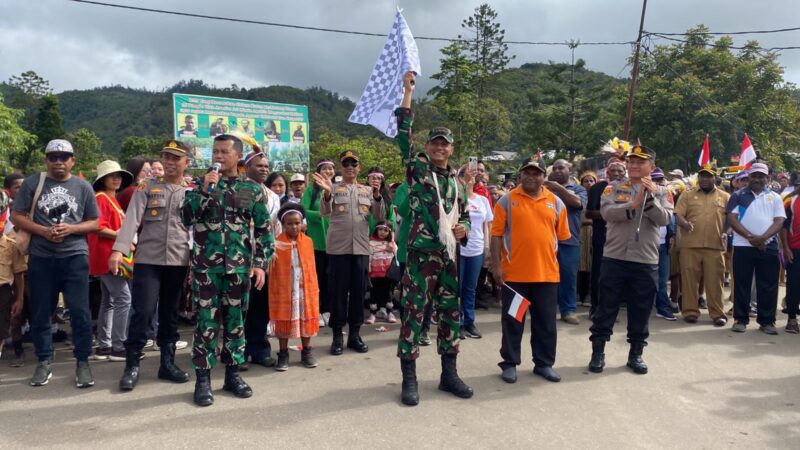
176, 148
348, 154
640, 151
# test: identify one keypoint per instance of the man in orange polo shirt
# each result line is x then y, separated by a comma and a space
528, 223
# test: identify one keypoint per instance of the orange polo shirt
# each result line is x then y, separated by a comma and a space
530, 228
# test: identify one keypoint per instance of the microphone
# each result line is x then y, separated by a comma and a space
214, 168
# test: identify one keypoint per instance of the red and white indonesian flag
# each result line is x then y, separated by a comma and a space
748, 154
519, 305
705, 155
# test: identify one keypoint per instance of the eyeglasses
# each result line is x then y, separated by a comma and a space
350, 164
61, 157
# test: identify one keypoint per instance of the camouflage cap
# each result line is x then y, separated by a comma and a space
441, 132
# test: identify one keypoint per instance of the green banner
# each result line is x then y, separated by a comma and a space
280, 129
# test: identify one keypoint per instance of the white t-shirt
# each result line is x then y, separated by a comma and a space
758, 215
479, 212
662, 235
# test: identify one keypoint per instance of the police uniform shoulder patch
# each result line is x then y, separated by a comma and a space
608, 190
142, 186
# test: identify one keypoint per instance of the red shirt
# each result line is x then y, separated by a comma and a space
111, 216
792, 222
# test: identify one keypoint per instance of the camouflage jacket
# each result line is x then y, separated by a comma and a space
221, 220
423, 205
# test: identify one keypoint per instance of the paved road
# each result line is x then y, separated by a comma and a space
707, 388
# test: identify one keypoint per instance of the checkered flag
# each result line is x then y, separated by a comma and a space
384, 90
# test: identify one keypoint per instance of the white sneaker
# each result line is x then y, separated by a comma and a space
370, 320
381, 314
326, 317
321, 321
180, 345
149, 343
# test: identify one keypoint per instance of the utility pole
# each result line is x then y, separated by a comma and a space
634, 74
573, 44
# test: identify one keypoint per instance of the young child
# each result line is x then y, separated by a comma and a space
293, 289
382, 250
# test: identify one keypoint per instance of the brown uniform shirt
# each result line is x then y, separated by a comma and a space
11, 260
164, 240
707, 213
349, 209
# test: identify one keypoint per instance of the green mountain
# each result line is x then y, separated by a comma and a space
117, 112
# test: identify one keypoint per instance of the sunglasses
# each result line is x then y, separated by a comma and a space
350, 164
60, 157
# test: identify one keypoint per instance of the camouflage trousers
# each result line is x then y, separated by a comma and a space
429, 277
221, 301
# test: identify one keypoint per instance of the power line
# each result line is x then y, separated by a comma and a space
708, 44
719, 33
327, 30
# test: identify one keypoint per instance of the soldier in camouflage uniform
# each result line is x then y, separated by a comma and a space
223, 259
431, 274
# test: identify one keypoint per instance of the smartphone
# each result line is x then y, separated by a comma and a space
472, 166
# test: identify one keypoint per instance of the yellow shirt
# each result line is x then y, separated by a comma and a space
707, 213
11, 260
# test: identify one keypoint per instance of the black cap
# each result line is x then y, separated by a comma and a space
535, 162
348, 154
640, 151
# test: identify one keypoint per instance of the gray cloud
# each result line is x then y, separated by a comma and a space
78, 46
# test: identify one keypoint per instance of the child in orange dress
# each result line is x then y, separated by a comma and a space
293, 289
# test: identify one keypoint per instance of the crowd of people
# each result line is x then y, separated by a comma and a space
246, 255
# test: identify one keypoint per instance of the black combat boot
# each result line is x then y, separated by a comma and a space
131, 374
235, 384
168, 370
202, 388
598, 360
449, 381
354, 341
410, 395
635, 361
337, 346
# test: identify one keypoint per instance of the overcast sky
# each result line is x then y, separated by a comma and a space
79, 46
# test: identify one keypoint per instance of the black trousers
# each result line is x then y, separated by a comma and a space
155, 284
256, 319
766, 266
380, 292
623, 281
543, 309
321, 263
793, 285
348, 286
594, 281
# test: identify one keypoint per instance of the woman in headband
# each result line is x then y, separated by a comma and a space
318, 232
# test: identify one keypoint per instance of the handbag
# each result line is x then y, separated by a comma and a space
394, 273
23, 238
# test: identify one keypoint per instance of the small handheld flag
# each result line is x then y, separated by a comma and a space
748, 154
519, 305
705, 155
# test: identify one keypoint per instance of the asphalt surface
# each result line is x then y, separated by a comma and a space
707, 388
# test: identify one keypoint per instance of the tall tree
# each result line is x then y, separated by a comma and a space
484, 43
88, 150
14, 140
46, 126
702, 86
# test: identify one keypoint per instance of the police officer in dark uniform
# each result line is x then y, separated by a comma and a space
634, 209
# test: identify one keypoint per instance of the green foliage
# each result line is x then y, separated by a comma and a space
570, 111
689, 89
14, 140
88, 153
372, 152
47, 125
484, 44
149, 147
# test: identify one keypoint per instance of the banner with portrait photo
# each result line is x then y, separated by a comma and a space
281, 130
